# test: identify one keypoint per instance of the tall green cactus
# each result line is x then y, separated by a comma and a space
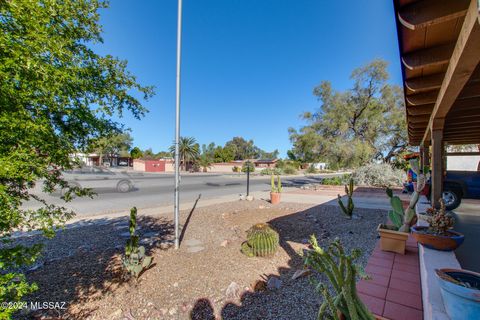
135, 260
348, 210
342, 272
261, 241
275, 188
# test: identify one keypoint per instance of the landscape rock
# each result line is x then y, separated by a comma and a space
301, 273
274, 283
233, 291
249, 198
224, 243
116, 314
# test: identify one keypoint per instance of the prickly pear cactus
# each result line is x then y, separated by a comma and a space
262, 241
348, 210
402, 219
135, 260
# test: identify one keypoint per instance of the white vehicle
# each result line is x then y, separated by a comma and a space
99, 178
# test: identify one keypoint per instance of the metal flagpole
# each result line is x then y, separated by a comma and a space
177, 124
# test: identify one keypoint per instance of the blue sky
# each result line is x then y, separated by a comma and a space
249, 66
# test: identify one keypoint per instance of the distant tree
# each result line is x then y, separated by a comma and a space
136, 153
355, 126
148, 154
189, 151
163, 154
223, 154
209, 150
111, 145
56, 95
242, 148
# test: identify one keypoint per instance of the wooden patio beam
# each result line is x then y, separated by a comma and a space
420, 110
431, 82
421, 14
428, 57
463, 63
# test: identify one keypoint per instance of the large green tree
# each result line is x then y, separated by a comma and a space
111, 145
355, 126
56, 96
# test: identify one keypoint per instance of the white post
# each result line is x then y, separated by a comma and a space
177, 124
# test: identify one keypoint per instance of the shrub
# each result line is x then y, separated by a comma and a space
270, 171
378, 175
337, 181
311, 169
261, 241
236, 169
289, 169
248, 164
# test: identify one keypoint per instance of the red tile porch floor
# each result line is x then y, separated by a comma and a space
394, 292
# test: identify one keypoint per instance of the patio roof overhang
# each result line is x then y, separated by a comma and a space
439, 44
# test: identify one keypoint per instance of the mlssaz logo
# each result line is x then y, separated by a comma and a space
48, 305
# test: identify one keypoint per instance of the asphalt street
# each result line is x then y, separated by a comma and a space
156, 190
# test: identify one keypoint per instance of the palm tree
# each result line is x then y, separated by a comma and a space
188, 149
205, 162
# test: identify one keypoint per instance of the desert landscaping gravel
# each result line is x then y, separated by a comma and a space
207, 278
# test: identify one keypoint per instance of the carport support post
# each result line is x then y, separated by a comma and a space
437, 166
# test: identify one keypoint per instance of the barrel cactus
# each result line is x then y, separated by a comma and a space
262, 241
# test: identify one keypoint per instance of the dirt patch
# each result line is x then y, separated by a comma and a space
192, 282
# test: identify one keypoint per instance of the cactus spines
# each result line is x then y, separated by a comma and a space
341, 271
348, 210
135, 260
262, 241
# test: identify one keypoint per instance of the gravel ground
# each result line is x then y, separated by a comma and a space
208, 277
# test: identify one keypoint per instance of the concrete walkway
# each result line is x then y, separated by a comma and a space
468, 222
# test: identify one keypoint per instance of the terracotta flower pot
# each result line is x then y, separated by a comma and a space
438, 242
392, 240
275, 197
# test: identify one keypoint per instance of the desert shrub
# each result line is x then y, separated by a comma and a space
246, 165
289, 169
311, 169
270, 171
337, 181
236, 169
378, 175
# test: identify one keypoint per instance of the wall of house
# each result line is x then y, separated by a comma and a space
463, 163
138, 165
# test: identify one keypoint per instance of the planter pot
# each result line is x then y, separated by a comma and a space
443, 243
461, 303
275, 197
392, 240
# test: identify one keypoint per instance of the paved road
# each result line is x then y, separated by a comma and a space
154, 190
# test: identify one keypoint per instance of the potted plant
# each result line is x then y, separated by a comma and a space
276, 190
393, 237
439, 235
460, 292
